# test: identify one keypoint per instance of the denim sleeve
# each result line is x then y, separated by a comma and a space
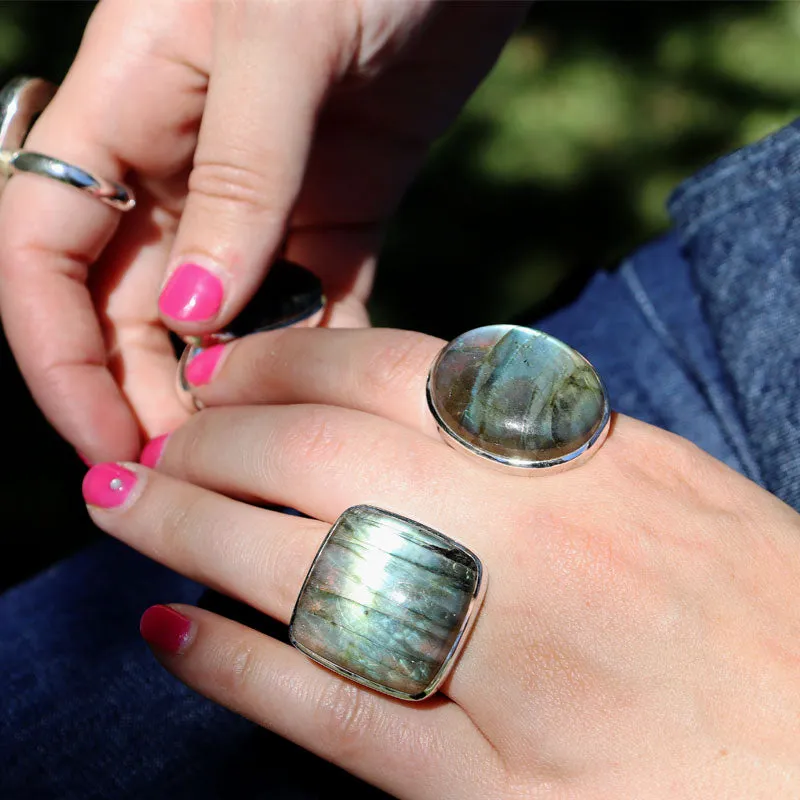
738, 225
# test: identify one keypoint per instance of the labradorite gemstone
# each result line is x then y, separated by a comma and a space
385, 601
518, 395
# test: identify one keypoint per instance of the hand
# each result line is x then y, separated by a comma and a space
639, 636
315, 116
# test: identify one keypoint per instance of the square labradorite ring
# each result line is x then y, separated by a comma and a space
388, 603
518, 399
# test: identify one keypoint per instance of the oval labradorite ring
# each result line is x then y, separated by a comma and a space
388, 603
519, 399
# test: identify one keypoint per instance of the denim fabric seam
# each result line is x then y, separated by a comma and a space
733, 433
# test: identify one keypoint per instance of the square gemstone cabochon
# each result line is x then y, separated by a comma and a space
386, 602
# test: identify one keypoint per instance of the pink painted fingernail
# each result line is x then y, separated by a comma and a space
107, 485
200, 369
151, 452
165, 629
192, 294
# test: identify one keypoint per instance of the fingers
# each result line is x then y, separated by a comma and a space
258, 556
369, 735
322, 460
271, 71
109, 114
382, 372
124, 288
50, 237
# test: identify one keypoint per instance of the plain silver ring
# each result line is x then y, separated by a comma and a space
21, 101
111, 193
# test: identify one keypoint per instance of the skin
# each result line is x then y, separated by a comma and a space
247, 128
639, 636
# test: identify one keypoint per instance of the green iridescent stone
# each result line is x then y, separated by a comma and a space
518, 396
386, 602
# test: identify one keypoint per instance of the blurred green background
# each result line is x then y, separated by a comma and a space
560, 164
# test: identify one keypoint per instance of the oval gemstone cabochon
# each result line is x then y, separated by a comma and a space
518, 394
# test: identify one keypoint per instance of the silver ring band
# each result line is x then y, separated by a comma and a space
21, 100
111, 193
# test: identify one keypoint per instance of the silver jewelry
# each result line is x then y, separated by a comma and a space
21, 101
518, 399
388, 603
289, 296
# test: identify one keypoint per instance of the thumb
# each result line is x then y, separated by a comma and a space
269, 76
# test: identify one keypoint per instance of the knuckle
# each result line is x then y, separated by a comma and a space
672, 462
188, 450
314, 438
230, 183
53, 379
260, 364
172, 528
404, 362
240, 671
671, 448
345, 720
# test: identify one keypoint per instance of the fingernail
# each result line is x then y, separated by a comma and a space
151, 452
200, 369
108, 485
192, 294
165, 629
